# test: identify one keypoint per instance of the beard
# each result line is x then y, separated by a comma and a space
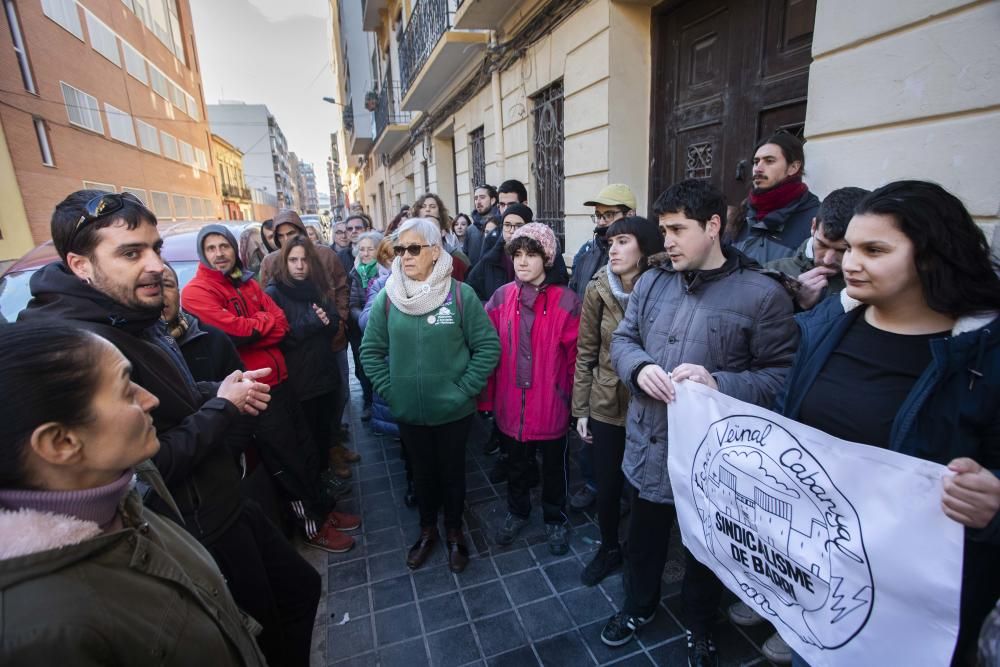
126, 295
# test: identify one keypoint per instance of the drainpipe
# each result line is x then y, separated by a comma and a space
497, 113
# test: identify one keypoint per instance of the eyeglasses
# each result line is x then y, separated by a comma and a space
414, 249
104, 205
339, 232
513, 227
356, 229
607, 216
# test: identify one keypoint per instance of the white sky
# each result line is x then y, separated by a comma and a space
273, 52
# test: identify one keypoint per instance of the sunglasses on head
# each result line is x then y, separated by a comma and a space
414, 249
105, 205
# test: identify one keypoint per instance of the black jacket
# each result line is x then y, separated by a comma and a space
191, 422
592, 255
208, 351
312, 364
491, 271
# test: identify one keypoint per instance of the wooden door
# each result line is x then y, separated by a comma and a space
725, 74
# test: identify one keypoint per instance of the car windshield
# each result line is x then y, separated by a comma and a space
15, 292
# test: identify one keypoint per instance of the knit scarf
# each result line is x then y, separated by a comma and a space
617, 291
777, 197
366, 272
419, 297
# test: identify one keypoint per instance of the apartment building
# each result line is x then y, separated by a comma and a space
254, 131
237, 202
310, 196
569, 95
106, 95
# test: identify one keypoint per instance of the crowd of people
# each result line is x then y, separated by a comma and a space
160, 444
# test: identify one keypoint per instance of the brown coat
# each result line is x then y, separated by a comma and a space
334, 269
597, 391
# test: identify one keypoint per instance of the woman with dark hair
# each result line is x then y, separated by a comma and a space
460, 228
907, 357
302, 290
88, 572
400, 218
432, 207
600, 399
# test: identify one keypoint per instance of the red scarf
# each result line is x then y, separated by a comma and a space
778, 197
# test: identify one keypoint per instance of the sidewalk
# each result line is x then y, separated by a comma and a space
514, 605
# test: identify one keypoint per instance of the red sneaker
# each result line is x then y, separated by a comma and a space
342, 521
332, 540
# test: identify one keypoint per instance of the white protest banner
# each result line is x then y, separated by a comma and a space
843, 547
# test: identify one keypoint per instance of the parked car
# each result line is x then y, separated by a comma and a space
179, 239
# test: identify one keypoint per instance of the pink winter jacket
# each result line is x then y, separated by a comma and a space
529, 392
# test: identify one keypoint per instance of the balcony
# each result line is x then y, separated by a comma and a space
235, 191
392, 124
433, 56
484, 14
370, 18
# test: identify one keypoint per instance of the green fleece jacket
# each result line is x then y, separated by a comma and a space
430, 368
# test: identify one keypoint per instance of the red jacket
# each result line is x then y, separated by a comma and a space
251, 318
529, 392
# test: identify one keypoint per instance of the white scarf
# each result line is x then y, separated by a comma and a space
617, 291
415, 297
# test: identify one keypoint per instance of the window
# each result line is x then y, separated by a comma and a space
177, 96
208, 208
201, 158
180, 206
103, 187
161, 204
477, 159
548, 172
169, 146
158, 18
102, 39
64, 13
196, 211
135, 64
19, 49
187, 153
42, 133
128, 3
175, 33
158, 82
141, 9
82, 108
137, 192
192, 108
149, 137
120, 124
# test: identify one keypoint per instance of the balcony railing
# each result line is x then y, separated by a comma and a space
388, 111
429, 21
235, 191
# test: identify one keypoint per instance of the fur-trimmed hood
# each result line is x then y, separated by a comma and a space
25, 532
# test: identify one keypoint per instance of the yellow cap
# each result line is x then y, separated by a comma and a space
614, 194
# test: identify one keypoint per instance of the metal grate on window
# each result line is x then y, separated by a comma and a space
548, 168
477, 158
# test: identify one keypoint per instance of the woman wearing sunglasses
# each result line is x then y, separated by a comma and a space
428, 349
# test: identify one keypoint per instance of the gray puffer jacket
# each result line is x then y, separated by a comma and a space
735, 321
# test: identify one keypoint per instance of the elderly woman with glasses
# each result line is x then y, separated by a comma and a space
429, 349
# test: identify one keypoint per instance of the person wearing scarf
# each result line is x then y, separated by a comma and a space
600, 399
428, 349
529, 393
363, 273
780, 209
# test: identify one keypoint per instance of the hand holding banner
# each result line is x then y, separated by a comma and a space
843, 547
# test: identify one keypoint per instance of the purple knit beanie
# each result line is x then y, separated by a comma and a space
543, 235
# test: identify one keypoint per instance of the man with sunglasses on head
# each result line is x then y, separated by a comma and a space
109, 280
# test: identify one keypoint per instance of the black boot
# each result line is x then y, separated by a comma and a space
499, 472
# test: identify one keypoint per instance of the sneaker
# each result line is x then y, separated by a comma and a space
512, 525
332, 486
555, 533
491, 447
701, 650
342, 521
776, 650
332, 540
621, 628
583, 498
604, 562
499, 472
741, 614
